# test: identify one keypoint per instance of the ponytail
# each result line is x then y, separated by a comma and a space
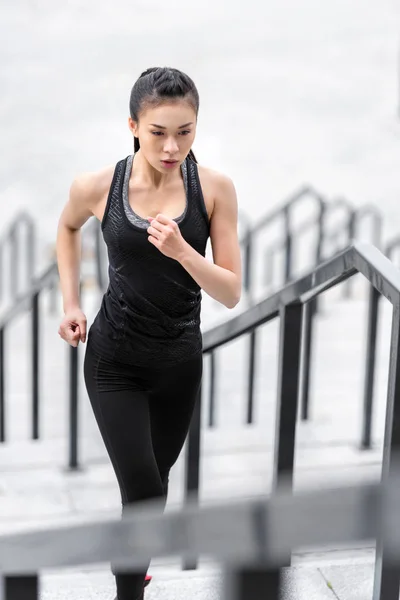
191, 156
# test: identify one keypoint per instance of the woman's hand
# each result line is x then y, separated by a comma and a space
165, 235
73, 327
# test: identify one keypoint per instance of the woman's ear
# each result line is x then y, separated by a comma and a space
132, 126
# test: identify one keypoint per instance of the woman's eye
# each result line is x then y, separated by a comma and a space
157, 133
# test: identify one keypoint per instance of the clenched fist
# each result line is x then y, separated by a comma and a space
165, 235
73, 327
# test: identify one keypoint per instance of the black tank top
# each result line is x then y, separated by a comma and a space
150, 313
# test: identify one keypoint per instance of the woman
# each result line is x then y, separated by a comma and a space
143, 361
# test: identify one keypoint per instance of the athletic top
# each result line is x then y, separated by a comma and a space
150, 313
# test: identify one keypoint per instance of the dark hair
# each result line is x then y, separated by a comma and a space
157, 84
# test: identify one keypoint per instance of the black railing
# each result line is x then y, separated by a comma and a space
284, 211
350, 227
21, 254
28, 302
338, 237
370, 359
257, 535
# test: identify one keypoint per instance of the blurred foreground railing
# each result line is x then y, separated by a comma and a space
251, 540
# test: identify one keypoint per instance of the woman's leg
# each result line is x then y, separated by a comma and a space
172, 401
121, 410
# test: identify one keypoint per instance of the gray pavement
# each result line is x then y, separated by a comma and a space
352, 582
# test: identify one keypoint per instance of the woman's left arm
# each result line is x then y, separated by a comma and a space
222, 279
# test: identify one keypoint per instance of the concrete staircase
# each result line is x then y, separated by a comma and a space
37, 492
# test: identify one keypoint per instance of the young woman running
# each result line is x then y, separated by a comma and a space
143, 360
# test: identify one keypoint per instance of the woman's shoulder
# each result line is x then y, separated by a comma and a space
94, 184
216, 186
213, 177
90, 189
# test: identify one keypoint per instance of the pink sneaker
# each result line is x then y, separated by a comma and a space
147, 580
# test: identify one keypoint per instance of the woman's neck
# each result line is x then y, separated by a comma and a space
148, 176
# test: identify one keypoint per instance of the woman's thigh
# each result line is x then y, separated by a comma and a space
122, 413
171, 403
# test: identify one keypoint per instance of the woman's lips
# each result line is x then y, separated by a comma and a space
168, 164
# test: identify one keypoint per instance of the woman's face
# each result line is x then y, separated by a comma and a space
166, 134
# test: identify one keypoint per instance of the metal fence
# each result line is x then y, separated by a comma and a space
253, 536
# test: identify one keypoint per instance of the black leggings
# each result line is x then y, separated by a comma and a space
143, 416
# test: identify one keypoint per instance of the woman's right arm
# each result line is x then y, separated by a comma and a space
83, 198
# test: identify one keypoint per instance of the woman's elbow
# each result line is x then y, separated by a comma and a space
234, 298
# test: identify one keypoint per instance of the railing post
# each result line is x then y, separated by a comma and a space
35, 366
252, 583
73, 409
369, 375
2, 271
288, 392
268, 270
211, 421
309, 309
21, 587
247, 279
320, 245
2, 389
351, 232
288, 246
30, 251
14, 262
53, 296
387, 579
192, 463
250, 380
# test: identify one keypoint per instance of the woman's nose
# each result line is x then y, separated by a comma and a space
171, 146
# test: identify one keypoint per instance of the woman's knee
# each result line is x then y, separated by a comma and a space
144, 483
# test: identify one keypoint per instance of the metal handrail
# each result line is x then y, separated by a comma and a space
284, 210
358, 257
371, 351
